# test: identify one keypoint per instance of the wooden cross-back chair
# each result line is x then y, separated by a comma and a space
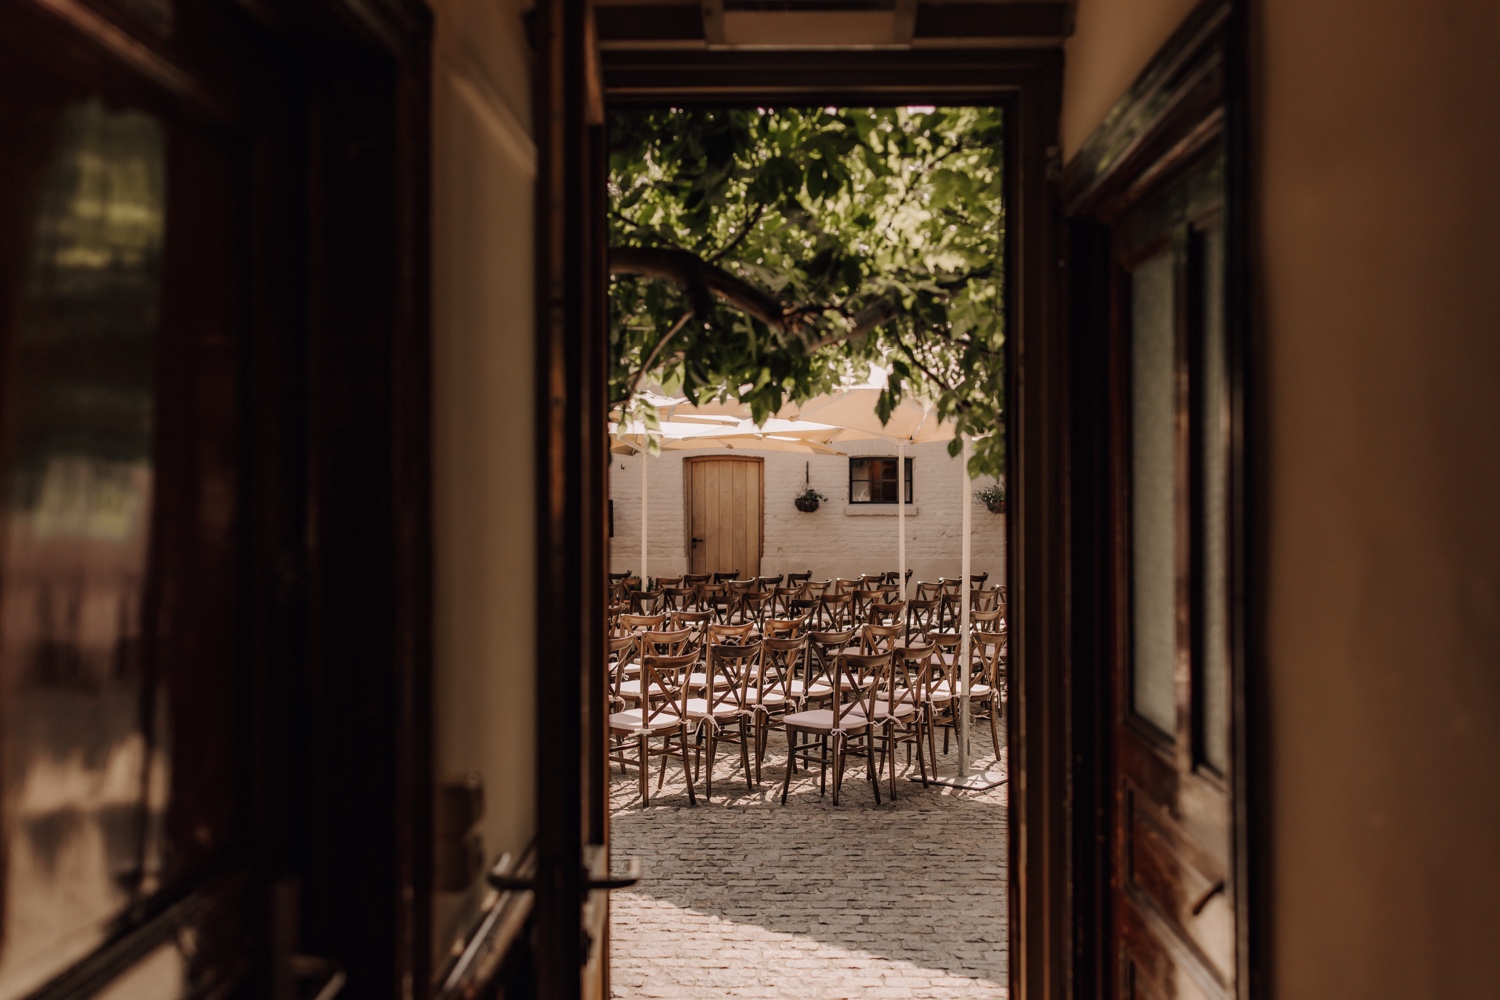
976, 580
636, 622
771, 694
848, 719
660, 713
784, 628
987, 680
900, 707
679, 598
724, 703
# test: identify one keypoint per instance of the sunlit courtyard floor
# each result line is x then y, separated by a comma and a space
744, 897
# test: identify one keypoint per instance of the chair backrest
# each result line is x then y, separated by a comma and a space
768, 582
976, 580
637, 622
695, 621
887, 614
860, 601
928, 591
824, 648
983, 600
843, 586
987, 620
798, 578
879, 638
837, 610
779, 660
869, 581
673, 642
737, 664
917, 671
857, 680
726, 577
720, 634
646, 602
680, 598
664, 689
693, 579
949, 584
784, 627
989, 652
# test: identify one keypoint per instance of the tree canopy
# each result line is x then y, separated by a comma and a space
767, 254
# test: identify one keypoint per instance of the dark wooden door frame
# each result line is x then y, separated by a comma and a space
1027, 85
1195, 92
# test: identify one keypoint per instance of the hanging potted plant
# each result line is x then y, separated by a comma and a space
992, 496
807, 499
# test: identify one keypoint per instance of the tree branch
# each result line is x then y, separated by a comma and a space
699, 277
750, 223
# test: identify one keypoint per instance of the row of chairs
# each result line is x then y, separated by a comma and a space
827, 604
680, 687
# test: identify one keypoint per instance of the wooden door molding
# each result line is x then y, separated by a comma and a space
1192, 100
1026, 83
690, 469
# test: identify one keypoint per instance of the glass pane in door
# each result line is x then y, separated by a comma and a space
1214, 416
1152, 492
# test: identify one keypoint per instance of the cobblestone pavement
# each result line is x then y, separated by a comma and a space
745, 897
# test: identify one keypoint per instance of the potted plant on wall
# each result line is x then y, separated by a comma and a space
992, 496
807, 499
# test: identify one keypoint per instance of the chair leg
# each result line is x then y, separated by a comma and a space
921, 761
687, 770
890, 753
822, 765
838, 768
745, 754
644, 741
791, 743
994, 728
870, 764
708, 779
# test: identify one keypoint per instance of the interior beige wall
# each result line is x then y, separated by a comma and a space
484, 165
1112, 43
1379, 154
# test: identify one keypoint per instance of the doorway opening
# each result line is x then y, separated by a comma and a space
808, 550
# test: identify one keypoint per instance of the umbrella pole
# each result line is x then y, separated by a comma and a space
645, 509
964, 778
901, 514
963, 615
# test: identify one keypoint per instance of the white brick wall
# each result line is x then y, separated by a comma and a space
836, 540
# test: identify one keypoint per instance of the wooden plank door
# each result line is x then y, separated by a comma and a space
725, 514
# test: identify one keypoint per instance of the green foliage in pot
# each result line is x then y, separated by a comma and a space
992, 496
807, 499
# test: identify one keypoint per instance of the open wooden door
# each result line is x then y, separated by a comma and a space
206, 290
1168, 246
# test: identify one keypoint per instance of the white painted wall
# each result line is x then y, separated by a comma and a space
484, 165
839, 539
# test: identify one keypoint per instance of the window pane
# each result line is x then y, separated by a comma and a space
1153, 520
1213, 696
859, 492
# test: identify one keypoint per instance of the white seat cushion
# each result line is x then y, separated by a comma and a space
629, 721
